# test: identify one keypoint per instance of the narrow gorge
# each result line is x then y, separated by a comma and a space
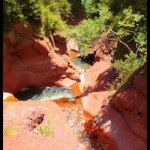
74, 75
82, 110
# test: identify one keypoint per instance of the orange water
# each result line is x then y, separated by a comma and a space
63, 102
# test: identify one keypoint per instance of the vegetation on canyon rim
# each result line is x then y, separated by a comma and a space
126, 19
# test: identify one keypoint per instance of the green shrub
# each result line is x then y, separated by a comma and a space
44, 15
89, 30
141, 41
127, 67
102, 15
10, 131
45, 130
11, 12
126, 22
76, 6
85, 34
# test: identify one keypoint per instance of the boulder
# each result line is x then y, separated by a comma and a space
94, 101
98, 77
110, 131
60, 43
103, 48
72, 45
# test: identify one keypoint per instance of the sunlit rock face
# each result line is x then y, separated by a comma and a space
121, 123
101, 74
98, 77
22, 128
72, 45
30, 60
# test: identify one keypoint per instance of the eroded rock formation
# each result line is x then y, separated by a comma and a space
37, 125
118, 123
31, 60
101, 74
98, 77
131, 101
121, 124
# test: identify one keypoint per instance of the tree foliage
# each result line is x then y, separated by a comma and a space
90, 29
124, 17
127, 19
127, 67
45, 15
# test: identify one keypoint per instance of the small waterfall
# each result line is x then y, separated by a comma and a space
82, 78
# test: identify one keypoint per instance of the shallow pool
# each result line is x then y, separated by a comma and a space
81, 63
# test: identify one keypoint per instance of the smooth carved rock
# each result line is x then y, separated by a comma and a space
23, 119
98, 77
112, 132
8, 97
119, 123
32, 61
131, 100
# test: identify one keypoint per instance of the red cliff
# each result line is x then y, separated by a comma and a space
30, 60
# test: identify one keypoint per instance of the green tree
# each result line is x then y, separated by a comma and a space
127, 19
44, 15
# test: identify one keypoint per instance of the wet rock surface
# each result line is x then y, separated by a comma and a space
76, 119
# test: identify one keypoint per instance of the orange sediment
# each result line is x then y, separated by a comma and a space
10, 99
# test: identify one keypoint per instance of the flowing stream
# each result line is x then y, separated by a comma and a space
45, 93
71, 107
65, 98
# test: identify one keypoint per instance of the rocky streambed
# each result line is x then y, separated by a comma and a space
69, 104
71, 107
80, 115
